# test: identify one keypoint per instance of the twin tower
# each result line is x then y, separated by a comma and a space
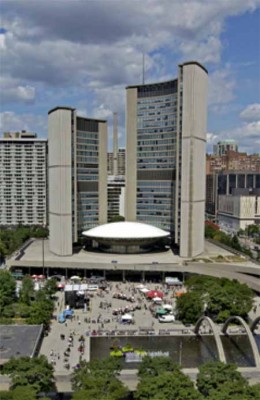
165, 163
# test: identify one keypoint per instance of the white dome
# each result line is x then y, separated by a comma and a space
126, 230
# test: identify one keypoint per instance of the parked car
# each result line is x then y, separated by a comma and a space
166, 318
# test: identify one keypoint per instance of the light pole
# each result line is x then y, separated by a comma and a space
180, 353
43, 256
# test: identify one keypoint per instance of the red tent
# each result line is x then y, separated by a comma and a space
155, 293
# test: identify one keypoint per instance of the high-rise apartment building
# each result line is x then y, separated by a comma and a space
77, 177
222, 147
165, 156
23, 179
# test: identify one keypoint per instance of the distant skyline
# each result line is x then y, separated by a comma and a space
84, 53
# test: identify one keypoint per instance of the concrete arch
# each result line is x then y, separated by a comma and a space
255, 323
221, 353
249, 334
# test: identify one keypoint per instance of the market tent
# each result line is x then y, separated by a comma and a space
41, 276
161, 311
126, 317
144, 290
157, 299
141, 286
154, 293
75, 278
167, 307
68, 313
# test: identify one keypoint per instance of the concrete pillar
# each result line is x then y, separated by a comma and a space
123, 276
143, 276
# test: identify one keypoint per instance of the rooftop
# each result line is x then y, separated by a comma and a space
126, 230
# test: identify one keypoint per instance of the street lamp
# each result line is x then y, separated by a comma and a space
180, 353
43, 256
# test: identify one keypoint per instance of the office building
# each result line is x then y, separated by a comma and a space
224, 183
239, 210
77, 177
115, 197
223, 147
23, 179
165, 156
120, 163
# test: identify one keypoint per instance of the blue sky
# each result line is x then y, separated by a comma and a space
84, 53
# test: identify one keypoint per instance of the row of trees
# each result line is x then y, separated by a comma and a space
12, 239
159, 379
218, 298
34, 307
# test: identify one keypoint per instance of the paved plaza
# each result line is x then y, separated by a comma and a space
100, 319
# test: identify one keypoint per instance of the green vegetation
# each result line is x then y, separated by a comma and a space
98, 379
218, 381
211, 232
117, 218
12, 239
35, 374
219, 298
32, 307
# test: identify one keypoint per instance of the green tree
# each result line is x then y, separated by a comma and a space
213, 376
167, 386
6, 395
189, 307
221, 298
234, 391
117, 218
27, 291
35, 373
7, 289
98, 380
153, 366
50, 287
23, 393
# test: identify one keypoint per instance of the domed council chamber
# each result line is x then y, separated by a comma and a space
127, 238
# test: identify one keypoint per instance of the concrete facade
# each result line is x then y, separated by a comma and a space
193, 163
237, 212
77, 177
165, 156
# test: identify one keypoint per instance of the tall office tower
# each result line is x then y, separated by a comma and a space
120, 162
23, 179
115, 145
221, 148
165, 156
77, 177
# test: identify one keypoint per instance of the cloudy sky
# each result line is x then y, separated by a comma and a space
83, 53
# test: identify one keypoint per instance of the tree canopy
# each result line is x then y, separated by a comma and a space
153, 366
98, 379
219, 298
12, 239
35, 373
7, 289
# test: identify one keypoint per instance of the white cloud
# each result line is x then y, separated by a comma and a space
13, 90
222, 86
247, 135
10, 121
62, 43
251, 112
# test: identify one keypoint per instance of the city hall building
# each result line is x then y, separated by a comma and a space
77, 177
165, 156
